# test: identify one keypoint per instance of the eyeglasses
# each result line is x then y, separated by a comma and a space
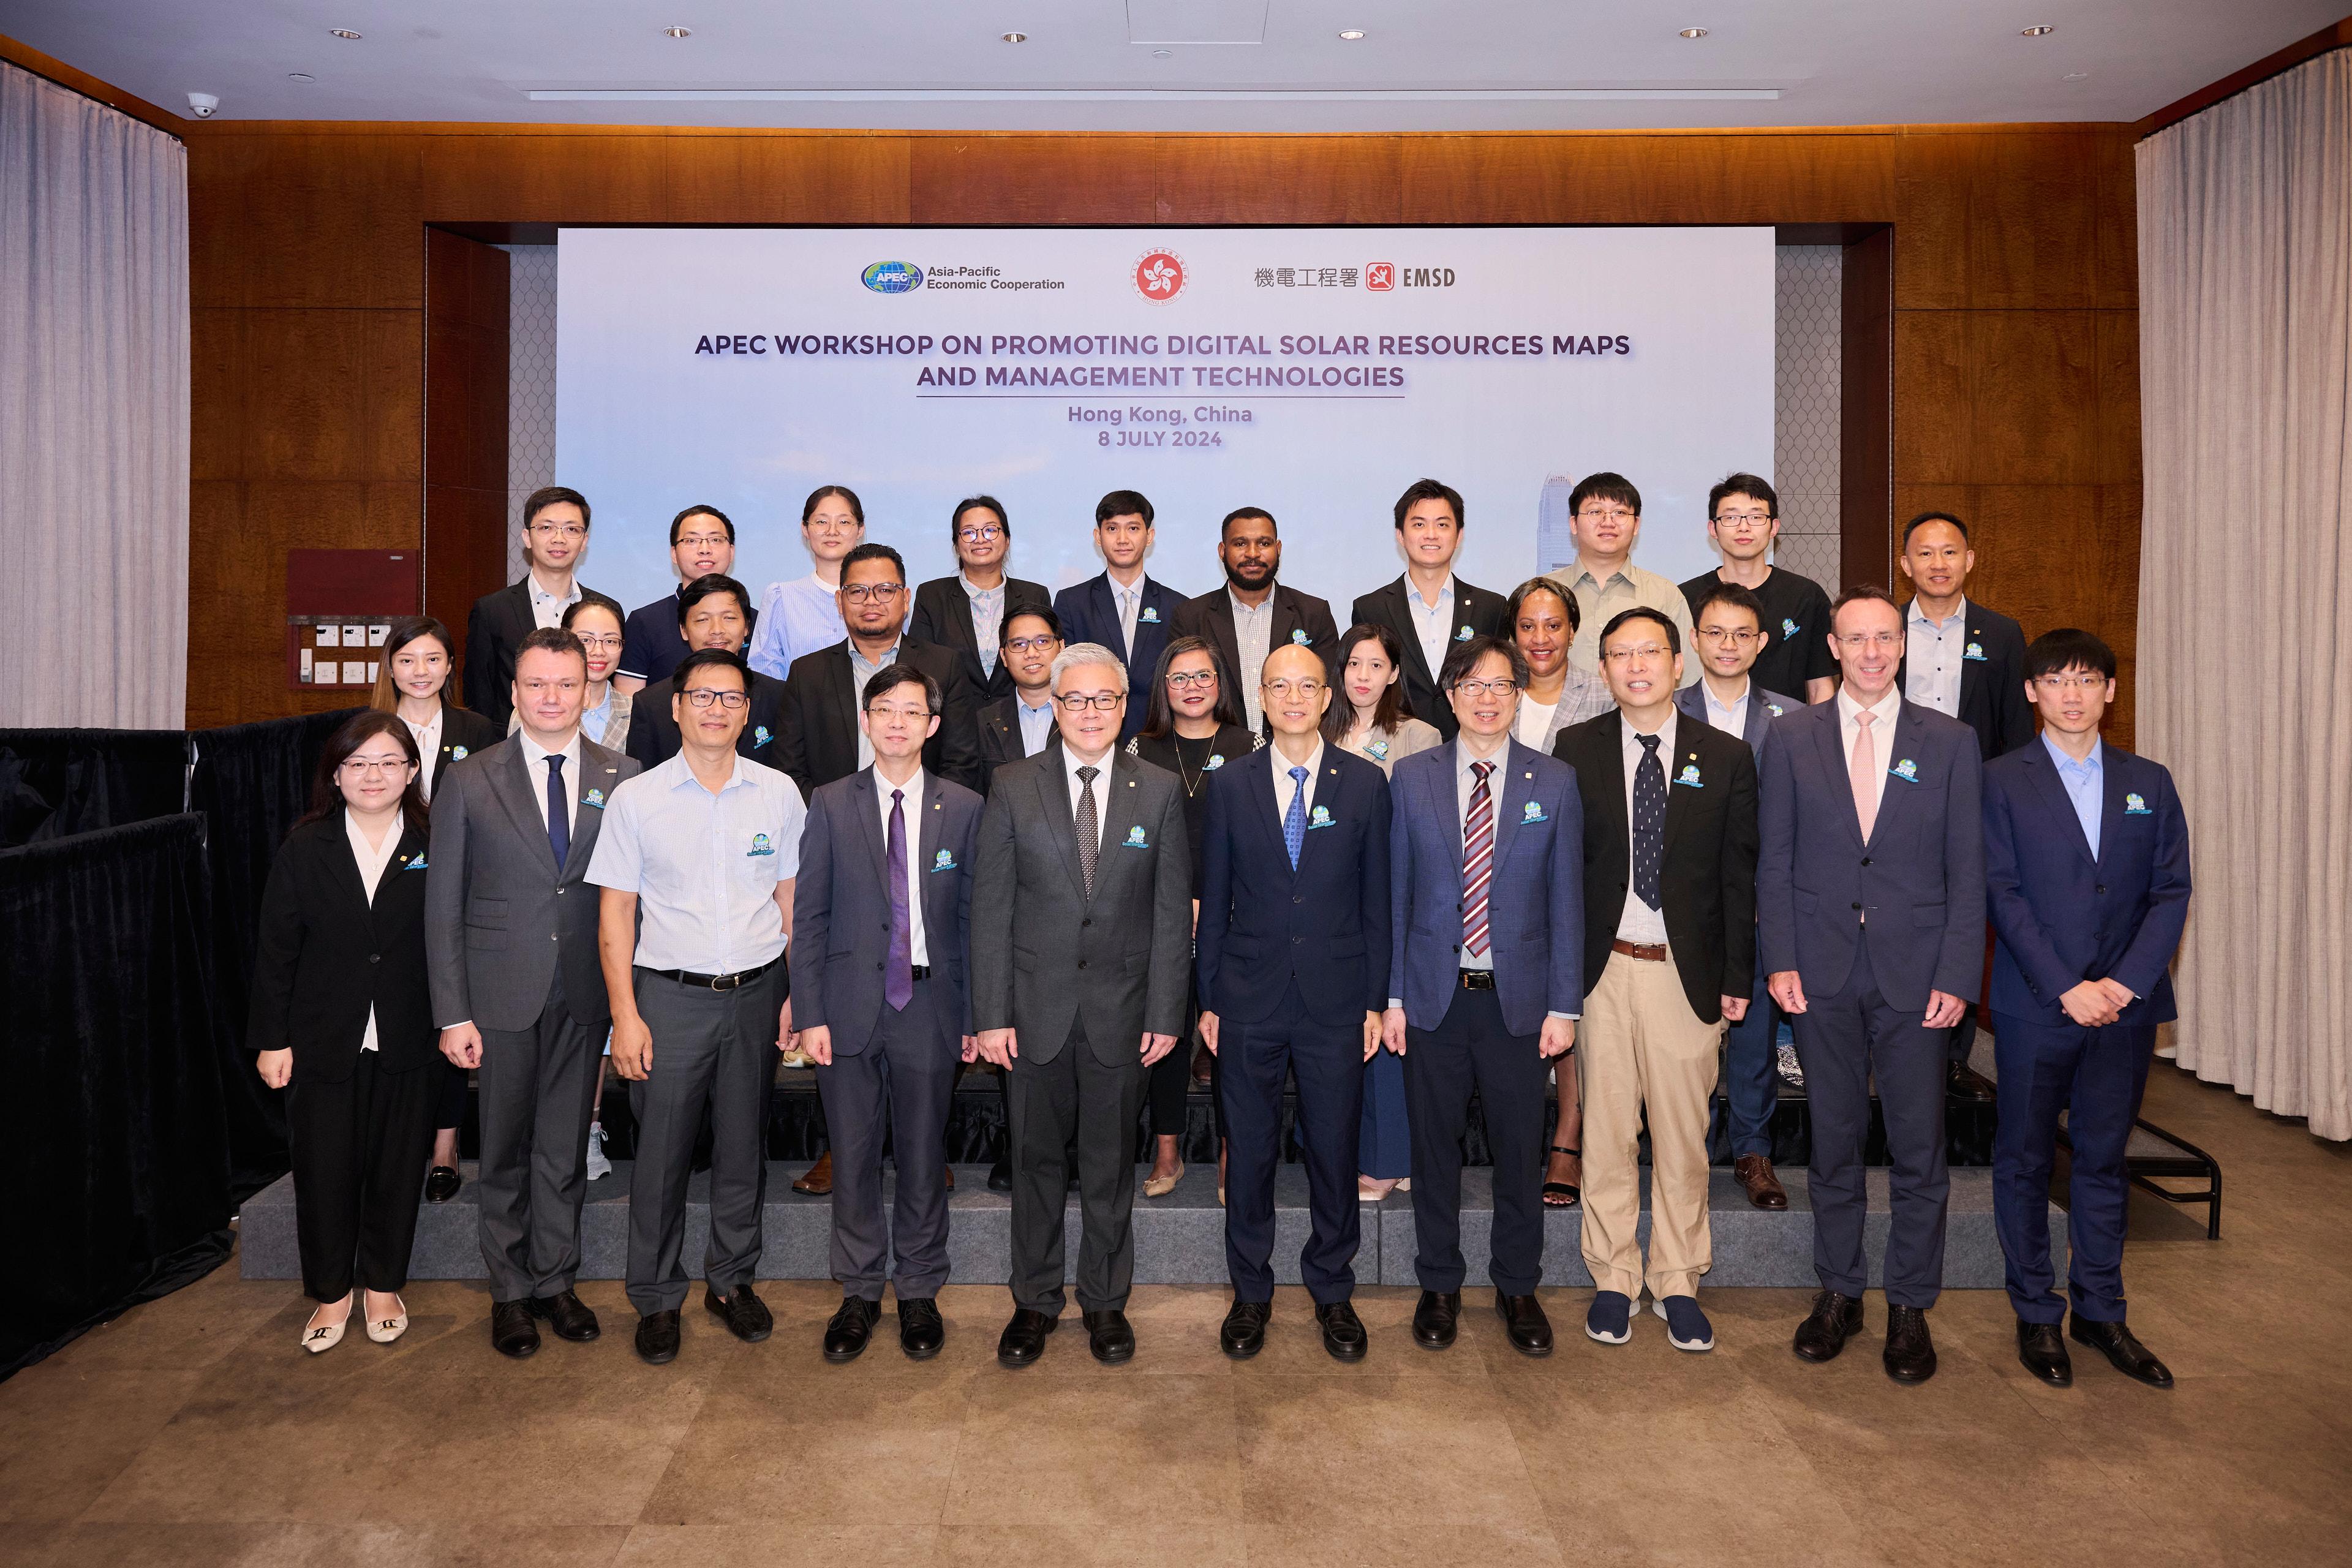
703, 696
1738, 637
1193, 678
703, 540
2070, 682
1856, 642
1640, 650
1606, 514
1477, 688
1724, 516
571, 530
597, 641
879, 593
1031, 645
1286, 687
983, 535
373, 767
889, 711
1100, 701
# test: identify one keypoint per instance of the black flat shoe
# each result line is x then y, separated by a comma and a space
658, 1337
2126, 1355
1910, 1353
1243, 1333
1833, 1320
1562, 1195
441, 1184
1000, 1177
2042, 1351
570, 1318
1024, 1340
1110, 1337
1434, 1317
746, 1316
1343, 1331
922, 1330
512, 1333
1524, 1323
852, 1326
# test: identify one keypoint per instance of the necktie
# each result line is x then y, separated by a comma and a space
559, 823
1477, 861
1294, 821
1127, 621
898, 987
1649, 821
1090, 829
1863, 772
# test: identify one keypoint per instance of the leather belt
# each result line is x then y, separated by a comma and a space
1648, 952
734, 982
1478, 980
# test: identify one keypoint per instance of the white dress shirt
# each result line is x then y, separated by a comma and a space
1638, 921
1071, 764
1931, 657
1434, 622
1532, 726
534, 756
1253, 635
1882, 736
1284, 784
546, 609
428, 751
912, 806
1733, 720
704, 865
372, 859
987, 616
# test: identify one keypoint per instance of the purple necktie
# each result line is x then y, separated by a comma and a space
900, 988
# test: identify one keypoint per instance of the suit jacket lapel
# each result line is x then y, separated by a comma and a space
2112, 789
1330, 793
1904, 748
510, 781
960, 631
1054, 801
925, 835
1227, 635
594, 774
1102, 609
1517, 776
1679, 802
2054, 798
845, 699
1396, 599
1829, 739
1266, 806
869, 827
344, 866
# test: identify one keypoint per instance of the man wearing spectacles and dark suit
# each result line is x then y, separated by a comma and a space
554, 538
713, 612
968, 611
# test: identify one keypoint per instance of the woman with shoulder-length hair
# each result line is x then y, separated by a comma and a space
1542, 618
342, 1020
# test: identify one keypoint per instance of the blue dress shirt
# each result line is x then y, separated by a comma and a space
2085, 784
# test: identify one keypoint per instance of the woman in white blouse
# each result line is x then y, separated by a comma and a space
1541, 618
597, 621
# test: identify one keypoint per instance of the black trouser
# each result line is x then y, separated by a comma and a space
896, 1087
358, 1150
1075, 1098
448, 1086
1473, 1051
539, 1088
1171, 1076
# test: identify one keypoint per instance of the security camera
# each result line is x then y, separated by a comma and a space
202, 105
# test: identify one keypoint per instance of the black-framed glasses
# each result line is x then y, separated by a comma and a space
986, 533
703, 696
1100, 701
877, 593
1032, 645
1475, 689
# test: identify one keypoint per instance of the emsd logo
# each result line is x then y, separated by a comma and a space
893, 278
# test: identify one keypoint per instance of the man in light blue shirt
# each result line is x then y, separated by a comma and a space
2084, 778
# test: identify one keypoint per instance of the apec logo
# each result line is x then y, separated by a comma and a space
893, 278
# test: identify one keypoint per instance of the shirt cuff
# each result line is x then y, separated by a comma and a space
1572, 1018
1397, 1002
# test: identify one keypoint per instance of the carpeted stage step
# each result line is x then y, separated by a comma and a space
1179, 1240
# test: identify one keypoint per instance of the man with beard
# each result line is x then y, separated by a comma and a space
1252, 613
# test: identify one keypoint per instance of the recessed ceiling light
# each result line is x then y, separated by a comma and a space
678, 32
342, 32
1016, 37
1354, 35
2042, 31
2076, 76
1162, 54
299, 75
1693, 33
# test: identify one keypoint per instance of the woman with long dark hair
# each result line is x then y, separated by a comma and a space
342, 1020
803, 615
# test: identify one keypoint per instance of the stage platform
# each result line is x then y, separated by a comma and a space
1179, 1240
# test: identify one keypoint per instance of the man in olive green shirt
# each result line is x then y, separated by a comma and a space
1605, 516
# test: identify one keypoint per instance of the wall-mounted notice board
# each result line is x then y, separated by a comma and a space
340, 606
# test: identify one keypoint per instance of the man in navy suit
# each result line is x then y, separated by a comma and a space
1486, 977
1429, 608
1870, 907
2087, 867
1293, 954
1728, 632
882, 908
1123, 610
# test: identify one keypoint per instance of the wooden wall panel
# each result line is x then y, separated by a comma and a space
466, 290
1279, 180
991, 179
714, 178
1751, 178
582, 175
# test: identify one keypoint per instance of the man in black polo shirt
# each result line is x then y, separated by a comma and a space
1743, 519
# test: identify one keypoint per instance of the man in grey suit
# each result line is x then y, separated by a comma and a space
1081, 946
1871, 910
510, 934
881, 909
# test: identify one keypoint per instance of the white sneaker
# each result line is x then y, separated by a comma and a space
599, 1167
1791, 1073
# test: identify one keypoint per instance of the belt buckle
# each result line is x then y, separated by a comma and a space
727, 982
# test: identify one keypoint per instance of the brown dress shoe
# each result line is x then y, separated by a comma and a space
1754, 1175
818, 1181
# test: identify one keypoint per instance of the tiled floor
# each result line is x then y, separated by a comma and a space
194, 1431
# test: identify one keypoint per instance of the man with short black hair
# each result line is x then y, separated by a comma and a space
1743, 519
968, 611
1020, 724
1123, 609
1251, 612
713, 613
1429, 608
554, 538
1605, 519
701, 541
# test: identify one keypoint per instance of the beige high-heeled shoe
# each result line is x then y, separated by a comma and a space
384, 1330
1160, 1186
318, 1338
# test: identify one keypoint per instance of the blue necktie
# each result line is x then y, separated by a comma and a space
898, 983
1294, 821
559, 825
1649, 822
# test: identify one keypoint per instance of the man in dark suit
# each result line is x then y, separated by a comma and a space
1252, 614
713, 612
1870, 907
1124, 610
1294, 973
881, 910
554, 538
517, 988
1670, 932
1021, 723
822, 740
1728, 632
701, 541
968, 611
2086, 869
1429, 608
1081, 941
1486, 978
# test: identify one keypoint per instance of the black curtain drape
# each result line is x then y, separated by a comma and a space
53, 783
116, 1175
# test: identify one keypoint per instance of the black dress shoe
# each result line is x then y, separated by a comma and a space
2043, 1350
1023, 1339
2115, 1342
852, 1326
1243, 1333
746, 1316
1962, 1081
922, 1330
1824, 1332
1343, 1331
1110, 1337
1910, 1353
658, 1337
441, 1184
1524, 1323
512, 1333
1000, 1177
1433, 1318
570, 1318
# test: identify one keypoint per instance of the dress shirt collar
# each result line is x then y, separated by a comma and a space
889, 658
1462, 759
1629, 738
1241, 609
2093, 766
1916, 616
882, 787
1445, 595
535, 755
1072, 762
1282, 765
678, 773
540, 596
972, 590
1883, 712
1739, 703
1584, 574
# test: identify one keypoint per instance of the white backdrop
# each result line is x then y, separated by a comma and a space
692, 366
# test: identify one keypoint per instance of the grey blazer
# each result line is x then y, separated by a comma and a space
500, 917
841, 906
1042, 955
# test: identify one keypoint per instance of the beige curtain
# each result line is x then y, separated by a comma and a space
93, 414
2245, 598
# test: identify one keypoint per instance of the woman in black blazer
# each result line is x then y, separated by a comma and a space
412, 682
342, 1020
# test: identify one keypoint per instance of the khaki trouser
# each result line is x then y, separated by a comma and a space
1641, 1044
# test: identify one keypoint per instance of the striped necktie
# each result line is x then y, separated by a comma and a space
1477, 861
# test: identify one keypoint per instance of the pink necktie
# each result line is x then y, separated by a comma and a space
1864, 770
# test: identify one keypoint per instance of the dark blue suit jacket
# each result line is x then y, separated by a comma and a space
1089, 613
2059, 915
1763, 707
1534, 904
1920, 879
1325, 924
